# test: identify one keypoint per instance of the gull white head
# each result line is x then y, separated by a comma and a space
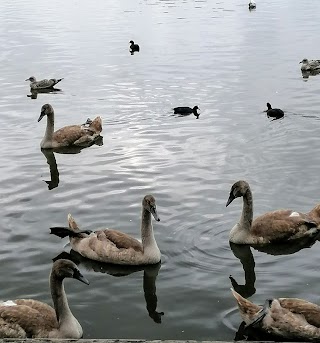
31, 79
304, 61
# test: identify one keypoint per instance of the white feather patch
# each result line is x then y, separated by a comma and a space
8, 303
294, 214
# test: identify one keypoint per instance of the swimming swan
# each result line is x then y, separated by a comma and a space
288, 318
69, 135
113, 246
271, 227
43, 84
310, 65
28, 318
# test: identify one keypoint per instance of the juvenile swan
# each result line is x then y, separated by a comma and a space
113, 246
28, 318
311, 65
43, 84
288, 318
80, 135
271, 227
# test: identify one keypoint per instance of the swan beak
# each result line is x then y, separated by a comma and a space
41, 116
155, 214
77, 275
300, 62
27, 80
231, 198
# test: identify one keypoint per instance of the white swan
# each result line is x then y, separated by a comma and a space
42, 84
28, 318
310, 65
276, 226
113, 246
288, 318
80, 135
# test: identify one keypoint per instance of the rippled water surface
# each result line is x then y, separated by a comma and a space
216, 55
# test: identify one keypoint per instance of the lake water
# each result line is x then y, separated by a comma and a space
216, 55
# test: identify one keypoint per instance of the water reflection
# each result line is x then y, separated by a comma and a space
250, 333
150, 273
51, 160
305, 74
244, 254
35, 92
54, 172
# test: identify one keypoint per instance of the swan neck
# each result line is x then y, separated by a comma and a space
60, 300
247, 211
50, 127
147, 235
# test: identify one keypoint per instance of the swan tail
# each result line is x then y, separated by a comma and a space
73, 226
96, 124
247, 309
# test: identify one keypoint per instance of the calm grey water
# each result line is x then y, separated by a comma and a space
216, 55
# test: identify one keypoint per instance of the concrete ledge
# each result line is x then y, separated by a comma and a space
46, 340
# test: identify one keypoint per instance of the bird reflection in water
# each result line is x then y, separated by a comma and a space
51, 160
244, 254
150, 273
35, 92
306, 73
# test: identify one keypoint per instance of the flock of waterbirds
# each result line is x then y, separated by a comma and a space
287, 318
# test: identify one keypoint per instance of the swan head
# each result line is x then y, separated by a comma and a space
67, 269
131, 42
31, 79
239, 189
269, 106
149, 204
46, 110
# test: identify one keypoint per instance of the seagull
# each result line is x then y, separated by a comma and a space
43, 84
310, 65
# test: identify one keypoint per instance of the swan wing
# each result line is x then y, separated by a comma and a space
310, 311
68, 135
282, 225
27, 319
120, 240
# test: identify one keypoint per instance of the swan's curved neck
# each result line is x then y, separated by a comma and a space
50, 128
147, 235
247, 211
60, 301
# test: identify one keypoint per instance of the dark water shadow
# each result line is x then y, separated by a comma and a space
255, 334
51, 160
35, 92
150, 273
245, 256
